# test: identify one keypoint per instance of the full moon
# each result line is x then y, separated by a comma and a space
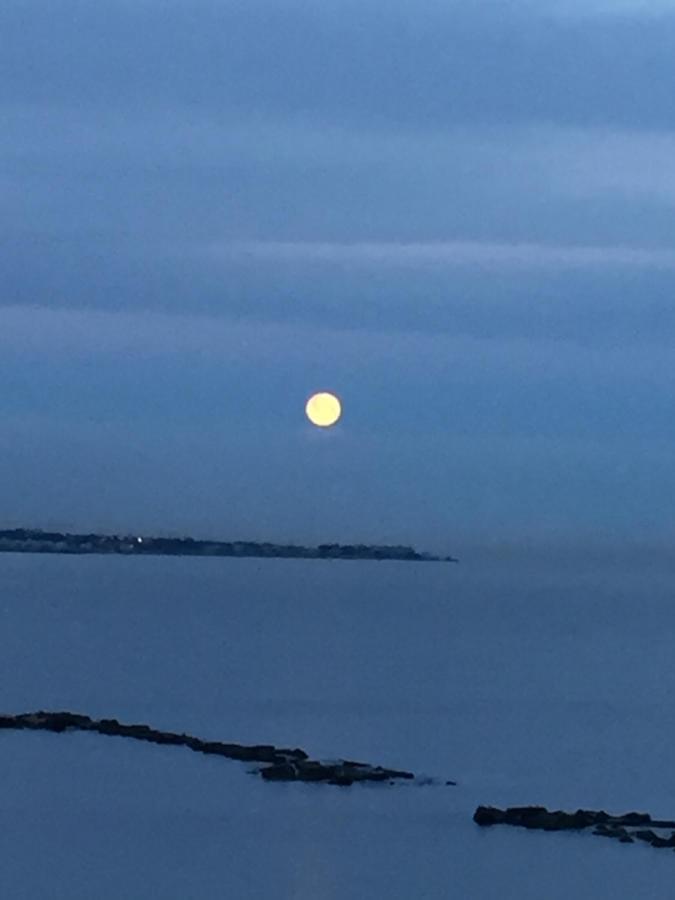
323, 409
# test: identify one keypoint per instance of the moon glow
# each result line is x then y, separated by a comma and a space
323, 409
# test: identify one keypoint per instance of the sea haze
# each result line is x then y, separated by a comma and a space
525, 680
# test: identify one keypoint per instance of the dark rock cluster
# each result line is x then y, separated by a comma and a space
281, 764
602, 823
342, 772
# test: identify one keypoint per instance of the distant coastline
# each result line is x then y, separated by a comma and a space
31, 540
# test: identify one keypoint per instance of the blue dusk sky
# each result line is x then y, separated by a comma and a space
460, 216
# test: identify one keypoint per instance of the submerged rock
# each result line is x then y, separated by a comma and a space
541, 818
603, 824
537, 817
281, 763
280, 772
668, 842
611, 831
647, 835
339, 773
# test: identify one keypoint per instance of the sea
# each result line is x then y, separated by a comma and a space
526, 678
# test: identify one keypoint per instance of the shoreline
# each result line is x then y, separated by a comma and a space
21, 540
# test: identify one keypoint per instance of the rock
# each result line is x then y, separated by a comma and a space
543, 821
344, 773
662, 823
664, 842
166, 738
281, 772
107, 726
59, 722
56, 722
645, 835
310, 770
140, 732
585, 818
489, 815
633, 818
611, 831
534, 817
295, 753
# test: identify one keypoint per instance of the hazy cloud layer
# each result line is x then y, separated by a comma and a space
448, 253
409, 64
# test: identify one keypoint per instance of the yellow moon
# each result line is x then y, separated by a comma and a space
323, 409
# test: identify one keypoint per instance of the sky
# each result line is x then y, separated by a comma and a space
458, 216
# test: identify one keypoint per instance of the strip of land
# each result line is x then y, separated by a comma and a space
27, 540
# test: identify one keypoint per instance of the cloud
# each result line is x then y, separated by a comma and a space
637, 166
369, 63
590, 9
446, 253
165, 179
57, 335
